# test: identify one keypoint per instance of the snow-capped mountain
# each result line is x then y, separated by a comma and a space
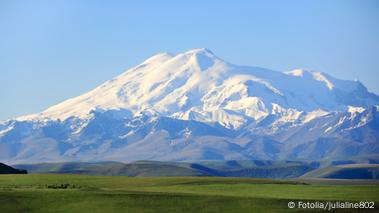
196, 106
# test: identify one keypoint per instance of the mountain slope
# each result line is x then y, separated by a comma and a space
348, 171
5, 169
196, 106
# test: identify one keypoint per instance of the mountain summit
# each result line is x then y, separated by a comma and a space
197, 85
194, 105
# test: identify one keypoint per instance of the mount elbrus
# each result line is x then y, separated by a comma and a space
196, 106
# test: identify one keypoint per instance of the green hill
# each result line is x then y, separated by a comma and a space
261, 169
135, 169
254, 169
348, 171
5, 169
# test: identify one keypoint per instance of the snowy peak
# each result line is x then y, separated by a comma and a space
196, 106
198, 85
315, 75
200, 57
329, 81
200, 51
158, 58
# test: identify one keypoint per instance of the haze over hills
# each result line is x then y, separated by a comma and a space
196, 106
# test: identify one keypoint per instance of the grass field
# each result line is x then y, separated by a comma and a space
80, 193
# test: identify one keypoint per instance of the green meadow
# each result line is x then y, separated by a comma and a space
82, 193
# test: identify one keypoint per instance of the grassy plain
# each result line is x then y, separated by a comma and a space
81, 193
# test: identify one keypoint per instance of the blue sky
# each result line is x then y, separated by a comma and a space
54, 50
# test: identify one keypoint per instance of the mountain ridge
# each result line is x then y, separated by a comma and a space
194, 106
180, 92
